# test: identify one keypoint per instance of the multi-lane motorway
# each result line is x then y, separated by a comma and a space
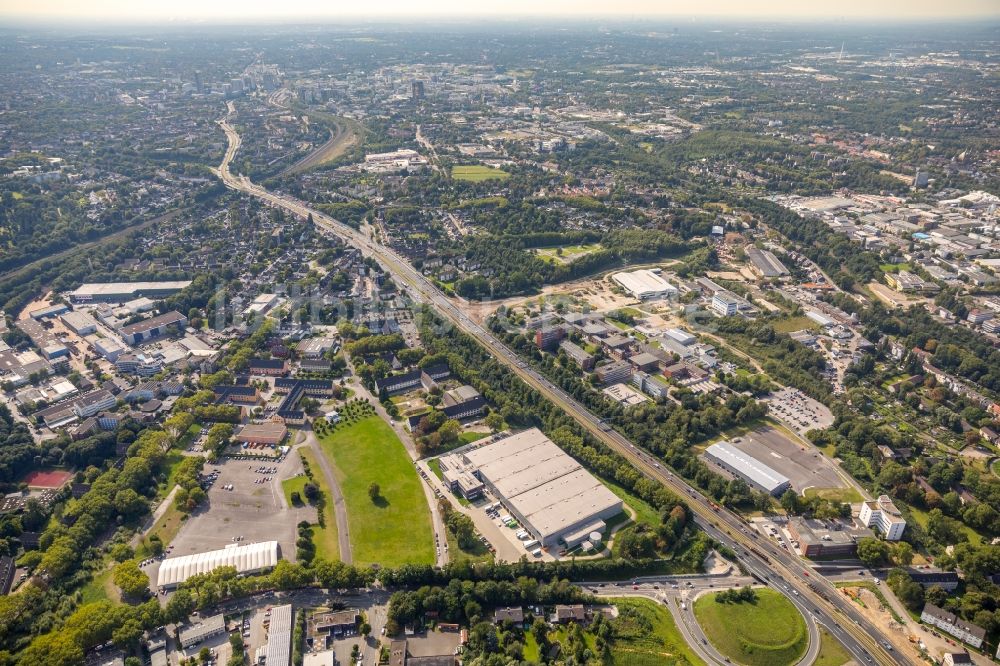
769, 564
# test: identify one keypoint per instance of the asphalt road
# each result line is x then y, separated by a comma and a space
336, 499
860, 637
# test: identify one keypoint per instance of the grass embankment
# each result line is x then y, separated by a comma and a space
831, 652
645, 635
395, 528
766, 632
476, 173
296, 484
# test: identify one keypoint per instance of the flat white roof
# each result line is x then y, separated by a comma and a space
117, 288
251, 557
644, 282
542, 483
747, 465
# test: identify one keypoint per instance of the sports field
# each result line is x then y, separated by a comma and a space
476, 173
47, 478
395, 528
766, 632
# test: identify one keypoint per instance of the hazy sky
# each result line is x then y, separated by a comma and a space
251, 10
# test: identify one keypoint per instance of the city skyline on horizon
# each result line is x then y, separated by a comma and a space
233, 11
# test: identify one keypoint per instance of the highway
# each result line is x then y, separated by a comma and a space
770, 564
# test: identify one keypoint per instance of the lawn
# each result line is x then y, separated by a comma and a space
476, 173
645, 635
99, 588
831, 652
395, 528
767, 632
564, 254
294, 485
324, 538
644, 511
469, 437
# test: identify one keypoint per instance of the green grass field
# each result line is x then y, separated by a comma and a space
396, 528
789, 324
476, 173
324, 538
768, 632
831, 652
645, 635
849, 495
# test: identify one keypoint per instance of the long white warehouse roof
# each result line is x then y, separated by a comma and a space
248, 558
644, 282
747, 465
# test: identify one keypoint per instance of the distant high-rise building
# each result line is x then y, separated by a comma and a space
417, 89
197, 81
921, 179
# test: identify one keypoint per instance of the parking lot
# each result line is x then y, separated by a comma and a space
804, 466
798, 411
254, 510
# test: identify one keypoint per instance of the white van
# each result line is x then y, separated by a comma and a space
536, 552
531, 544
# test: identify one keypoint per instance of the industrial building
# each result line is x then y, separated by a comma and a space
725, 303
153, 327
119, 292
80, 323
748, 468
279, 637
764, 263
196, 633
882, 515
249, 558
546, 490
645, 284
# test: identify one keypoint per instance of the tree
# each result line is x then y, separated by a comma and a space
494, 421
374, 491
311, 492
296, 498
130, 579
903, 553
790, 502
873, 552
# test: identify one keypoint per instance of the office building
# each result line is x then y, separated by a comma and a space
882, 515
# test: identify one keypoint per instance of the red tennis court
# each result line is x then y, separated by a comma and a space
47, 478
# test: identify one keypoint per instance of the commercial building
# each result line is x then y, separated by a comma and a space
905, 281
680, 336
270, 433
748, 468
578, 354
460, 479
950, 623
825, 538
549, 336
315, 348
764, 263
615, 372
546, 490
882, 515
91, 403
109, 348
725, 303
645, 284
119, 292
279, 637
153, 327
248, 558
193, 634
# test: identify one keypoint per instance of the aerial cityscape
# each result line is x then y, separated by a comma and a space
611, 338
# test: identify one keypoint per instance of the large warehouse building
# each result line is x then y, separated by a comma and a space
546, 490
645, 284
251, 558
119, 292
748, 468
